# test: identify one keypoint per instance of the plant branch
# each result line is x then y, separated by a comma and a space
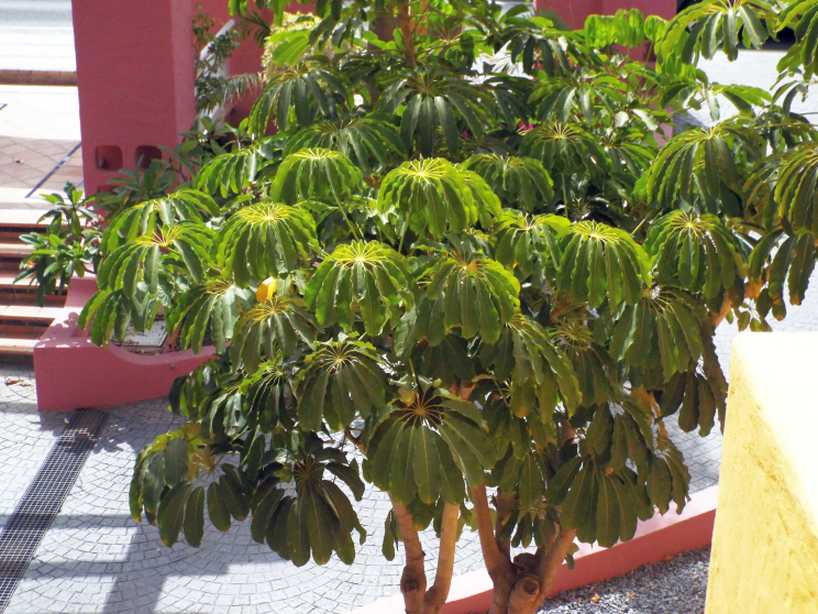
407, 33
496, 564
550, 561
504, 503
439, 591
413, 578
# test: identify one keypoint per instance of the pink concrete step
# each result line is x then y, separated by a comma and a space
29, 313
17, 346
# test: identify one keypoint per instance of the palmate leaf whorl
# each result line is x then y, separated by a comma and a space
434, 101
540, 373
701, 162
317, 519
801, 17
208, 310
796, 191
303, 89
367, 278
529, 245
146, 258
232, 172
339, 380
779, 259
667, 324
435, 196
276, 325
695, 252
426, 444
316, 174
143, 218
718, 25
601, 263
565, 149
266, 239
479, 296
369, 142
519, 182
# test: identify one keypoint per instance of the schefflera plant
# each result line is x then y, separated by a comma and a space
482, 294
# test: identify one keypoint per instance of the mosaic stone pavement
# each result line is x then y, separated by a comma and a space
96, 559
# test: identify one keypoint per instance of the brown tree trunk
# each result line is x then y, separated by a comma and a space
413, 578
416, 599
407, 32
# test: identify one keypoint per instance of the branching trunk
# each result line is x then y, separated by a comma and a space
504, 504
520, 586
416, 599
437, 594
413, 578
407, 33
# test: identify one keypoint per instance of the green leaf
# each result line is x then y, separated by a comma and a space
316, 174
433, 195
334, 364
176, 461
266, 239
376, 278
171, 513
194, 517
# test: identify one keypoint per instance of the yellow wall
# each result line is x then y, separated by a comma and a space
765, 545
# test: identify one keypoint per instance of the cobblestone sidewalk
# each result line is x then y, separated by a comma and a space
95, 559
39, 143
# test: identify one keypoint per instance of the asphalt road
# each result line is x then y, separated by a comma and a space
35, 14
36, 35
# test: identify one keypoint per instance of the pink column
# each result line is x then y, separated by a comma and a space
574, 12
135, 67
662, 8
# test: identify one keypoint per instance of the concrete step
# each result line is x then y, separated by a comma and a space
8, 281
17, 346
12, 250
29, 314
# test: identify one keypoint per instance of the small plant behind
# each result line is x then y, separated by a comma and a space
483, 292
68, 247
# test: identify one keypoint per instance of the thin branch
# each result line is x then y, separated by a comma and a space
407, 33
496, 564
437, 594
504, 503
549, 563
413, 578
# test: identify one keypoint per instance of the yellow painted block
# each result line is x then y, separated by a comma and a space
765, 543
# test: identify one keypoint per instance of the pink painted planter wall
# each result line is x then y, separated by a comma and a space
74, 373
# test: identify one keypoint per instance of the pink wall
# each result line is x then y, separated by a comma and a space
574, 12
135, 68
